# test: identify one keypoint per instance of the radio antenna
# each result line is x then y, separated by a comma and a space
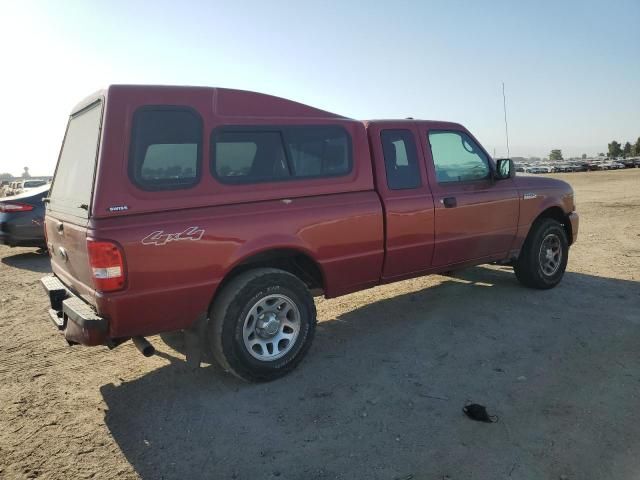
506, 128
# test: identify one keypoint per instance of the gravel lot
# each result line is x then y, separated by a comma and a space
381, 392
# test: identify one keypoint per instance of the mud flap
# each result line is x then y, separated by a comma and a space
194, 339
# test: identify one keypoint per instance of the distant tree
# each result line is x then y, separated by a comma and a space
601, 154
615, 149
555, 155
626, 151
636, 148
26, 173
5, 176
584, 155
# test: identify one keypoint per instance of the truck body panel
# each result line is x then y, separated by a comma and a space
389, 216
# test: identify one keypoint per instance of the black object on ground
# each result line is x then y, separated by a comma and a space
479, 413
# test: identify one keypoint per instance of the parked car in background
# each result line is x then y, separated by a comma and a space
22, 218
4, 187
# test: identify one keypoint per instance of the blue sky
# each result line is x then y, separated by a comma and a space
571, 68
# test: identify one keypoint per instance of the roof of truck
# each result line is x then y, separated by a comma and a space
243, 103
411, 121
224, 101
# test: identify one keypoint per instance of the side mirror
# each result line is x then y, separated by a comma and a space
505, 169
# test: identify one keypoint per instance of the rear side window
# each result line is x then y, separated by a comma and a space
73, 182
259, 154
166, 146
400, 159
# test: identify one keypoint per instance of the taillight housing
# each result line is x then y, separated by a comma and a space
107, 265
10, 207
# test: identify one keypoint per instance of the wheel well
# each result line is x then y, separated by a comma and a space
293, 261
558, 214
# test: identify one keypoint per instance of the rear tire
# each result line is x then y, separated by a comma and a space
544, 255
262, 324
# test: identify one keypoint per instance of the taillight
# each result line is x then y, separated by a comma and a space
107, 265
15, 207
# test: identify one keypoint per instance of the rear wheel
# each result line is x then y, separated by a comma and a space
262, 324
544, 255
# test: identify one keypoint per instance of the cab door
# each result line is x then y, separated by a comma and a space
475, 216
401, 181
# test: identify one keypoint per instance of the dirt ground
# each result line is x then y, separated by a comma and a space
380, 393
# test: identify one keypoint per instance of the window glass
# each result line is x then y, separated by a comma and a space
165, 148
249, 154
318, 151
457, 158
400, 159
73, 182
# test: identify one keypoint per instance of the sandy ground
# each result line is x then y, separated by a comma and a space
380, 393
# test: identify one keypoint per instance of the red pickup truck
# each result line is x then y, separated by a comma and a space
223, 212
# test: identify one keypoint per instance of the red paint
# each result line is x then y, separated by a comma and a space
357, 231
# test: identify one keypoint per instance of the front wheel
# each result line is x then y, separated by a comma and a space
544, 255
262, 324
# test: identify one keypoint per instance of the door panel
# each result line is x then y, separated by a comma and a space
401, 181
474, 217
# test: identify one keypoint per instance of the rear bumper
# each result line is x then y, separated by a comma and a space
73, 316
575, 225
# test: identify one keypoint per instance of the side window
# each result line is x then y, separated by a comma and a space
457, 158
166, 144
400, 159
252, 155
318, 151
248, 156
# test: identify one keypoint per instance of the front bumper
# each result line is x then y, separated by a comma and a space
73, 316
574, 219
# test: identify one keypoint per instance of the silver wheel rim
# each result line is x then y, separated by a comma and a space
271, 327
550, 256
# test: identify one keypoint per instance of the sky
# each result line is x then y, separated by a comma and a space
571, 68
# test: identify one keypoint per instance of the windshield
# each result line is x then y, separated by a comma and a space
34, 183
73, 181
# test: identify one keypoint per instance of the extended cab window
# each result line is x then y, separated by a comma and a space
165, 148
400, 159
262, 154
457, 158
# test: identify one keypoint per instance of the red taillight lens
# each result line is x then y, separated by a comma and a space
107, 265
15, 207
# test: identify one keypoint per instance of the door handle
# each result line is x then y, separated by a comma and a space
449, 202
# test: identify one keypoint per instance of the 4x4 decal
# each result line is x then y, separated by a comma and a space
160, 238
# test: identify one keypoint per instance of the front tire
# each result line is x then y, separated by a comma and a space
262, 324
544, 255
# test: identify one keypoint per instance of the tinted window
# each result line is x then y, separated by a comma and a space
251, 154
73, 182
457, 158
318, 151
165, 148
400, 159
33, 183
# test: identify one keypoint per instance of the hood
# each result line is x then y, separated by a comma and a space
542, 182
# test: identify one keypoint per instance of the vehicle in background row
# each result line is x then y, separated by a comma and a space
222, 212
22, 218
